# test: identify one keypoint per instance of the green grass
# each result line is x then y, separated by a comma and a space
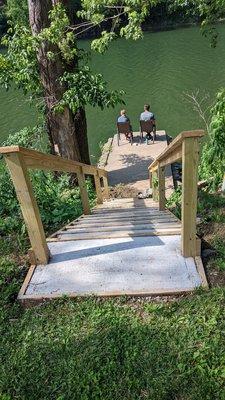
91, 349
114, 349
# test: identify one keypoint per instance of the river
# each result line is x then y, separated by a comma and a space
159, 69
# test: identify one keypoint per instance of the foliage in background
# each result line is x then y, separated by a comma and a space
59, 201
213, 154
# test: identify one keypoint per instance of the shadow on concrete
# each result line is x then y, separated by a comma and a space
136, 243
135, 169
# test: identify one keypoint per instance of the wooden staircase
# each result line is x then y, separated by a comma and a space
119, 218
123, 246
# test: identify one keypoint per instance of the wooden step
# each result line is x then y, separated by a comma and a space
131, 214
124, 210
116, 234
125, 227
124, 221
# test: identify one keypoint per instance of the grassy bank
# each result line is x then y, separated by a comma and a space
115, 349
124, 348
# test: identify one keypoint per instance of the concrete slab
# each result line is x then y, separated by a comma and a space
115, 266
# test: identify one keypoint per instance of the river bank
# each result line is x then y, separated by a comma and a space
160, 69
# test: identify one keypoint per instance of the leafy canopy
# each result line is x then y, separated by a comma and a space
81, 85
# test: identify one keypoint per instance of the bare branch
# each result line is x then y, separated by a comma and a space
199, 106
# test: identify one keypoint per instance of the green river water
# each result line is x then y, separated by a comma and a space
158, 70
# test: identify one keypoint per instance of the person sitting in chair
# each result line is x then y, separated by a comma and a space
124, 118
147, 115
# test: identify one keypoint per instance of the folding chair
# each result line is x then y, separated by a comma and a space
124, 127
148, 127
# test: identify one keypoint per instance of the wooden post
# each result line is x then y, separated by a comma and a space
154, 187
83, 192
28, 206
106, 187
98, 188
162, 194
190, 156
150, 178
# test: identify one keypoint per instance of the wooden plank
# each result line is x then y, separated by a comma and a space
26, 281
176, 143
106, 187
118, 234
125, 227
176, 155
155, 192
201, 271
125, 222
98, 189
28, 206
146, 214
113, 211
83, 192
36, 160
190, 157
29, 300
162, 189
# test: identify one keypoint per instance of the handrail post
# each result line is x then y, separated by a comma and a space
83, 191
190, 157
162, 193
106, 187
154, 186
98, 188
29, 207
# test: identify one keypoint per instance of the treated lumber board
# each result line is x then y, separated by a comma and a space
162, 189
36, 160
83, 192
26, 281
190, 150
176, 143
128, 233
119, 223
97, 211
201, 271
28, 300
129, 206
98, 189
79, 229
176, 155
106, 187
124, 215
29, 207
122, 210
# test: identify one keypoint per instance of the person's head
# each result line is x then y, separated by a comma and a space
146, 107
123, 112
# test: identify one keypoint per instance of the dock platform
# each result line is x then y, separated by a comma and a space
128, 164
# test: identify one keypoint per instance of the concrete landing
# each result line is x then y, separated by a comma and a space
139, 265
129, 164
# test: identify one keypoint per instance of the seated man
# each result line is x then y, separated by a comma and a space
124, 118
147, 115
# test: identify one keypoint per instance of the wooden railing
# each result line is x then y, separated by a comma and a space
19, 160
184, 147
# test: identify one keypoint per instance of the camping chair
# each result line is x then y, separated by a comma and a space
124, 127
148, 127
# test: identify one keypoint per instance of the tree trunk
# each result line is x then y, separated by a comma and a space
67, 131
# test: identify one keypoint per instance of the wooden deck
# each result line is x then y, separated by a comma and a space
129, 164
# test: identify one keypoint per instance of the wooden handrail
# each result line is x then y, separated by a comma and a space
36, 160
19, 160
173, 152
184, 147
